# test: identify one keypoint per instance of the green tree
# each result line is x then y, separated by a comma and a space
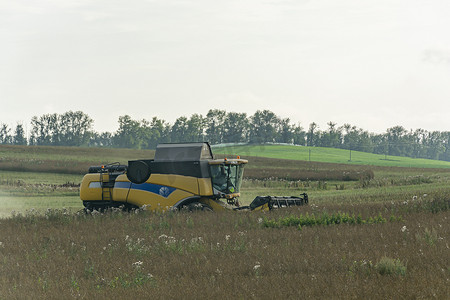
285, 131
74, 129
332, 137
263, 127
154, 132
195, 128
44, 130
19, 135
395, 136
5, 137
365, 142
312, 137
215, 119
299, 135
445, 155
435, 144
129, 133
235, 127
418, 138
104, 139
179, 130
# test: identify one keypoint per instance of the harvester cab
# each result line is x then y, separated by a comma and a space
181, 176
226, 177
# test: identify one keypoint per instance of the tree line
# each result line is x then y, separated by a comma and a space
219, 126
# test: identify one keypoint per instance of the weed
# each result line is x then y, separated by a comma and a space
74, 283
89, 269
361, 267
137, 247
323, 219
390, 266
43, 282
189, 222
430, 237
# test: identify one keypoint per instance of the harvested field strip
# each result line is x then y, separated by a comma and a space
45, 166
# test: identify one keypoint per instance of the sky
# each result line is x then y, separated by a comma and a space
371, 63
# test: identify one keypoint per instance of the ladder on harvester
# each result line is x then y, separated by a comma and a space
106, 184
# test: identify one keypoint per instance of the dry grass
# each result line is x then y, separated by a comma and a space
227, 255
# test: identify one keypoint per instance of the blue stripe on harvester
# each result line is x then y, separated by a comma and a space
122, 185
161, 190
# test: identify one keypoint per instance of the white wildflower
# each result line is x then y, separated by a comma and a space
404, 228
227, 237
197, 240
260, 220
256, 267
144, 207
137, 264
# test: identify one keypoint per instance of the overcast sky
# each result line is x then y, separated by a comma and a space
374, 64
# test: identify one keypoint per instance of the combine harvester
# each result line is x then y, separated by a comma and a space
181, 176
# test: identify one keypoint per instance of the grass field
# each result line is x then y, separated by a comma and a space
394, 251
375, 232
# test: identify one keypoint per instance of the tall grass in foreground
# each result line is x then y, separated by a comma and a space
60, 255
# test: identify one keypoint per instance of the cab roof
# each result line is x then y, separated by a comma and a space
183, 152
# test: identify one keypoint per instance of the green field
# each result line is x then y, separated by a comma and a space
329, 155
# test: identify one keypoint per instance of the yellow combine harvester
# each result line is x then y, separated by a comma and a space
181, 176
